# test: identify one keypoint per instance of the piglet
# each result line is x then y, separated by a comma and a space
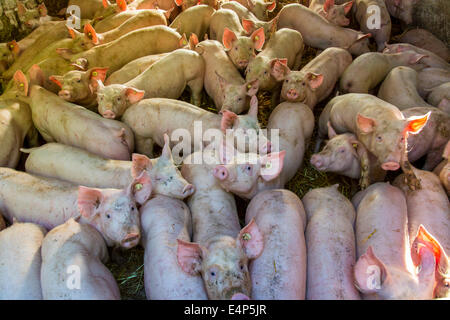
259, 8
334, 13
280, 272
72, 265
384, 268
426, 40
330, 241
430, 59
164, 221
194, 20
439, 97
443, 169
20, 262
430, 78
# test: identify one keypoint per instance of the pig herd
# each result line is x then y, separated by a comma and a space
89, 101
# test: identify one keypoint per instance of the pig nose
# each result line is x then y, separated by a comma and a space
188, 190
109, 114
292, 94
220, 172
130, 240
392, 166
317, 161
239, 296
64, 94
243, 63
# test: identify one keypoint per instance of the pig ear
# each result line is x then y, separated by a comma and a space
273, 25
271, 6
42, 10
21, 8
228, 119
369, 272
272, 165
252, 87
105, 3
97, 75
166, 153
228, 38
189, 256
363, 36
348, 6
89, 32
425, 239
89, 200
416, 58
314, 80
253, 111
279, 69
183, 40
14, 47
139, 163
251, 240
250, 4
179, 2
416, 124
36, 75
327, 5
258, 38
193, 41
21, 82
121, 5
248, 25
134, 95
168, 12
141, 188
366, 124
57, 79
331, 132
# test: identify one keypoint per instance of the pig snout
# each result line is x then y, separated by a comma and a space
239, 296
64, 94
109, 114
220, 172
188, 190
130, 240
390, 166
292, 94
318, 162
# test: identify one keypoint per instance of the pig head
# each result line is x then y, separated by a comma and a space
114, 99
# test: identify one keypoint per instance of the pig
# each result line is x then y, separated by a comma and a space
251, 22
284, 44
165, 221
369, 69
439, 97
315, 81
431, 198
259, 8
220, 250
174, 115
79, 86
344, 154
279, 273
430, 78
51, 116
400, 89
432, 139
31, 18
187, 68
401, 9
330, 240
378, 125
91, 8
334, 13
226, 28
144, 41
83, 168
443, 169
223, 82
380, 28
20, 261
134, 68
15, 126
9, 52
426, 40
194, 20
74, 247
144, 18
111, 211
430, 59
318, 33
186, 4
384, 268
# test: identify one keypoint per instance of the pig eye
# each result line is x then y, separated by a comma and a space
379, 139
132, 208
118, 99
242, 267
240, 99
108, 216
212, 273
79, 81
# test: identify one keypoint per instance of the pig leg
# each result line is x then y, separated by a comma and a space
144, 145
196, 86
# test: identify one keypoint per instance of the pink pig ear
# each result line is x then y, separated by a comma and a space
89, 32
258, 38
179, 2
36, 75
105, 3
228, 119
57, 80
189, 256
96, 75
134, 95
248, 25
252, 87
253, 111
21, 82
369, 272
279, 69
366, 124
166, 153
21, 8
14, 47
139, 163
141, 188
228, 38
89, 200
331, 132
272, 165
348, 6
271, 6
42, 10
251, 240
425, 239
327, 5
416, 124
314, 80
193, 41
121, 5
